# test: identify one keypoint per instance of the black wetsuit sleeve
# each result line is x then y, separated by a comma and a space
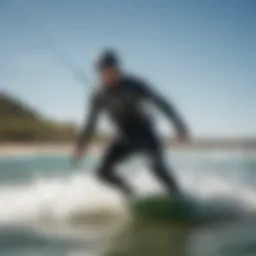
166, 107
90, 122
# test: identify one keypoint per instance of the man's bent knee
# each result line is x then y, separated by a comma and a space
104, 174
157, 163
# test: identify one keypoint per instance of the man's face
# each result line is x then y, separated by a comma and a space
109, 75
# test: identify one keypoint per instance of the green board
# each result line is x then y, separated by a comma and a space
162, 208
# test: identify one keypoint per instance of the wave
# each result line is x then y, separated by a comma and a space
57, 199
82, 198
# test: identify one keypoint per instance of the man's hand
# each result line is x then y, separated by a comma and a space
183, 136
77, 154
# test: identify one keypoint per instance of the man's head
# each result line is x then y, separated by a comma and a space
108, 67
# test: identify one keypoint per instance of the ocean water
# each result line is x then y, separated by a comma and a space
49, 207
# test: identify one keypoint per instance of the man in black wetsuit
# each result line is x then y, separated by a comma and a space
122, 98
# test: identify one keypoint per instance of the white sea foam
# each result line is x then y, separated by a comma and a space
57, 199
60, 199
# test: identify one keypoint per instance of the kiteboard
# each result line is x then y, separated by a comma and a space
163, 208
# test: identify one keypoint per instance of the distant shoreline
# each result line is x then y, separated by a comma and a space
65, 148
38, 148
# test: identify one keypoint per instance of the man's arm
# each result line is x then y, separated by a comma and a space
167, 108
90, 123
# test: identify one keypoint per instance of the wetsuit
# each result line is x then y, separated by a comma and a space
124, 104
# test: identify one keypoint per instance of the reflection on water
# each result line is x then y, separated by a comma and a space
237, 238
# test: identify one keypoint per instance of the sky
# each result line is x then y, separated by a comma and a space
200, 55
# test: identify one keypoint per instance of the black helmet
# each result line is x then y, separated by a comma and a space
108, 58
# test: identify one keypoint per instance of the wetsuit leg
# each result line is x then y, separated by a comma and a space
117, 151
154, 150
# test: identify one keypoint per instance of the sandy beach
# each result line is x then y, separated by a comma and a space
20, 149
62, 148
28, 149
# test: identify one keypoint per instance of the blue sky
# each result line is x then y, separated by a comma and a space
200, 54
